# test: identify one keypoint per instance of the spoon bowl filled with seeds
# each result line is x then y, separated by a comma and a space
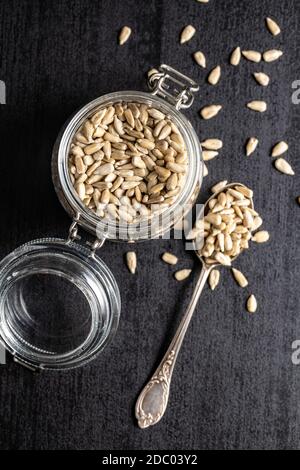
220, 235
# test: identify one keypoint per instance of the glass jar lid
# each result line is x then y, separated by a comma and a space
59, 304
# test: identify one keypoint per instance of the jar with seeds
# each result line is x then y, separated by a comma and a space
125, 167
129, 164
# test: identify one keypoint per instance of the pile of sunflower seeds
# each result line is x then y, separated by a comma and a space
127, 160
227, 227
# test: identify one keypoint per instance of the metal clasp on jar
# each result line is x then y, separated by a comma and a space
173, 86
73, 236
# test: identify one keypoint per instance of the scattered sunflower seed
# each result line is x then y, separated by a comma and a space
251, 146
219, 186
262, 78
273, 27
209, 155
131, 261
261, 237
187, 34
182, 275
214, 279
235, 57
124, 35
209, 112
205, 170
253, 56
252, 304
240, 278
280, 149
212, 144
169, 258
284, 167
258, 106
202, 1
214, 76
272, 55
298, 200
200, 59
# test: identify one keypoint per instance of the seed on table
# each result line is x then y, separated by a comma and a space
240, 278
202, 1
124, 35
280, 149
131, 260
273, 27
258, 106
219, 186
209, 112
182, 275
212, 144
169, 258
252, 304
284, 167
262, 78
205, 170
214, 76
187, 34
200, 59
261, 237
251, 146
252, 56
272, 55
214, 279
209, 155
235, 57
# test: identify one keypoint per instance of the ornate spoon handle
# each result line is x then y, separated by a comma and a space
153, 400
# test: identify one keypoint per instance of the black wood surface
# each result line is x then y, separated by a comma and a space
235, 386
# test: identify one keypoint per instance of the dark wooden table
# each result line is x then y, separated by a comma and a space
235, 386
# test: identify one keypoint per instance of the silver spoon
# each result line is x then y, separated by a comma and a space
153, 400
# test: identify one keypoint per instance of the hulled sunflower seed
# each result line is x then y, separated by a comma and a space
253, 56
169, 258
235, 57
214, 76
273, 27
212, 144
209, 112
214, 279
187, 34
258, 106
262, 78
131, 260
251, 146
252, 304
279, 149
124, 35
261, 237
182, 275
219, 186
223, 259
205, 170
240, 278
272, 55
200, 59
284, 167
209, 155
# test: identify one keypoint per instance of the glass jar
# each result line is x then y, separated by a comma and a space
59, 303
171, 91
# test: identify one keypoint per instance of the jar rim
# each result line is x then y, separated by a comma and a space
87, 273
118, 230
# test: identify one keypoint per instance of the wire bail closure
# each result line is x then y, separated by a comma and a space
176, 88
